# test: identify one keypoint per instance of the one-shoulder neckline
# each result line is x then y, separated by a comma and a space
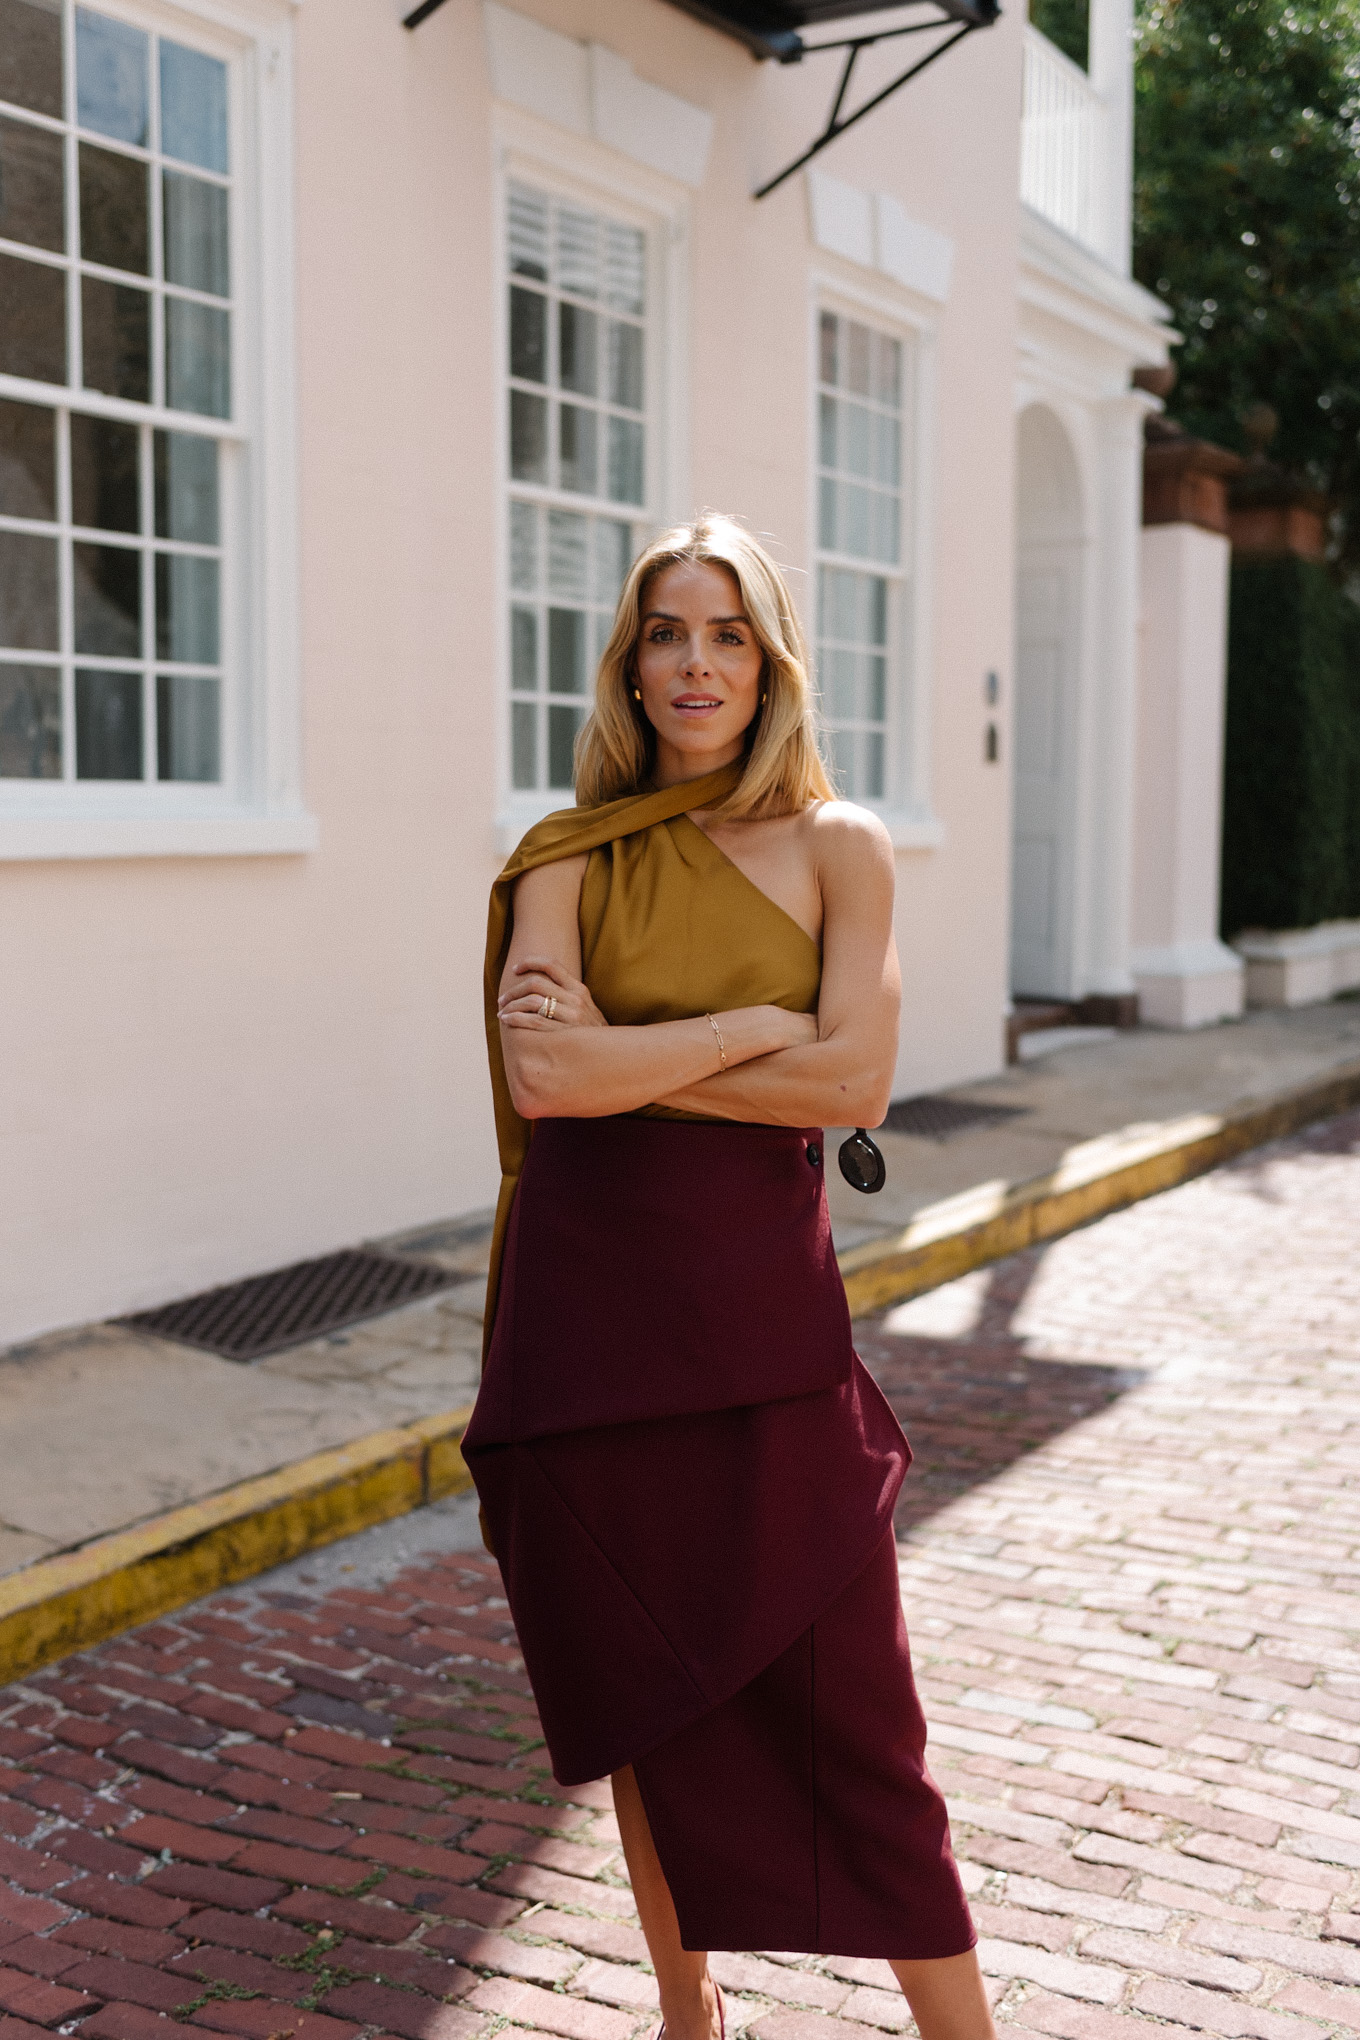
759, 891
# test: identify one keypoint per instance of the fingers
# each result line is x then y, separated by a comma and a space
563, 1008
535, 981
529, 1013
561, 980
526, 996
540, 981
562, 1004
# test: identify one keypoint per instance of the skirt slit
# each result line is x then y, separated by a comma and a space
800, 1816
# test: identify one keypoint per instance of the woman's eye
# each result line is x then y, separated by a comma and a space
661, 636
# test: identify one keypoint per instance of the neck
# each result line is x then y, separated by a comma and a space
673, 767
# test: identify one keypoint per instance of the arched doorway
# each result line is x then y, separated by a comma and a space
1048, 624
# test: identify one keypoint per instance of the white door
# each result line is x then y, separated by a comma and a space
1047, 616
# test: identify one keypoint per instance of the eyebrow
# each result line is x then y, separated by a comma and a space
665, 616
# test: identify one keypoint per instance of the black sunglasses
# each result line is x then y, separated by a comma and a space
862, 1163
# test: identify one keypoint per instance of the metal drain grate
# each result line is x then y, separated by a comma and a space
248, 1320
940, 1118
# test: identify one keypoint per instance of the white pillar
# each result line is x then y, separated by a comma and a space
1185, 976
1110, 67
1105, 801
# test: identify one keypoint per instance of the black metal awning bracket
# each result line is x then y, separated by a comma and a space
847, 72
835, 125
789, 48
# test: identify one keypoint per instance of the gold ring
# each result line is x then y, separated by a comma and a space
552, 1008
543, 1012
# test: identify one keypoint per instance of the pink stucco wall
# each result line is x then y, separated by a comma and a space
214, 1065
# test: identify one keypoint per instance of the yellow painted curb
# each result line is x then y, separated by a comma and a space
995, 1219
80, 1597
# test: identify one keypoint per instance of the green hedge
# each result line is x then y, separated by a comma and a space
1350, 625
1291, 769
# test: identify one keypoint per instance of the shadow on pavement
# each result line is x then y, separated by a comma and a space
968, 1396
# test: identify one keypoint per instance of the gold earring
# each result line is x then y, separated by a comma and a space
762, 701
637, 694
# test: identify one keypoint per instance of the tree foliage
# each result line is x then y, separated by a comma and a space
1291, 763
1066, 23
1247, 223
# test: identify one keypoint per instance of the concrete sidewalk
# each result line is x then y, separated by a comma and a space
1140, 1079
102, 1427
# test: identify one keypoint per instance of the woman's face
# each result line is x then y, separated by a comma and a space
698, 667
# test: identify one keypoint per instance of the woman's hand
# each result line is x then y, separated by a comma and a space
535, 980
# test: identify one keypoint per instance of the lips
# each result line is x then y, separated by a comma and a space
696, 704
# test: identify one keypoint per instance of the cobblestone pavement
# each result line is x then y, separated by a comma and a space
1129, 1564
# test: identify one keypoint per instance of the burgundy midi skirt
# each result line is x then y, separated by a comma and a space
690, 1480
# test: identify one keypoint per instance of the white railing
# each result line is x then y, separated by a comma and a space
1062, 143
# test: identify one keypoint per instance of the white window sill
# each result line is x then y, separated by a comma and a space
34, 837
908, 830
911, 831
516, 820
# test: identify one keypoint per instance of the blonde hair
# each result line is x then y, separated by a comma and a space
784, 772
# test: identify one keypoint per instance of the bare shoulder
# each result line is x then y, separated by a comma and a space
849, 841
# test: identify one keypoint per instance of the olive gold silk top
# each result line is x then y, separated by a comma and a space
670, 929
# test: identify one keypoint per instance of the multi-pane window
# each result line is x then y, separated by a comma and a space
578, 462
861, 590
115, 361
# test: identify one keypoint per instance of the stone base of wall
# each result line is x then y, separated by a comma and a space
1192, 984
1301, 966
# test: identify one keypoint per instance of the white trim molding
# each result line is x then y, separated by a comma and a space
870, 228
912, 831
907, 831
520, 814
532, 150
593, 91
907, 811
257, 808
1082, 329
1063, 280
47, 838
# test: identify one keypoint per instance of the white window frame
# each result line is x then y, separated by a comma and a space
529, 151
257, 808
906, 807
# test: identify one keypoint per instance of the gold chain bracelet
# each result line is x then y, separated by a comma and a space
722, 1052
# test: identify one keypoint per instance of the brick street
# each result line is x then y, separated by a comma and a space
1131, 1569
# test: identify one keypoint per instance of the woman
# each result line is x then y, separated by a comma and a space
687, 1475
